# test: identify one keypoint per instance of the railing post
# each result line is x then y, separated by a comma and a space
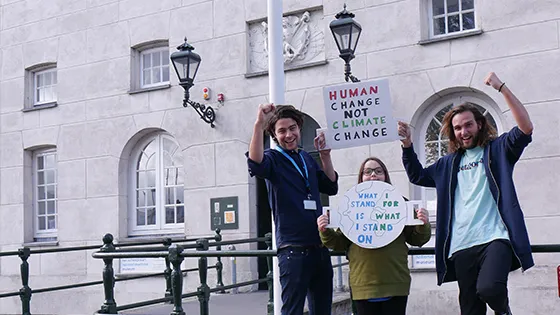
219, 265
269, 276
167, 273
339, 284
176, 278
203, 290
233, 270
25, 291
109, 306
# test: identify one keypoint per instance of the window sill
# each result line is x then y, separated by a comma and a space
450, 37
149, 89
40, 106
41, 244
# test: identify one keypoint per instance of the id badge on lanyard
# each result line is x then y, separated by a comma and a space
309, 203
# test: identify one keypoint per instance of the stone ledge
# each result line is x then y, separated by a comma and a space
149, 89
39, 107
450, 37
41, 244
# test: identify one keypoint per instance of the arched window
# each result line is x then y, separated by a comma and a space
433, 144
157, 182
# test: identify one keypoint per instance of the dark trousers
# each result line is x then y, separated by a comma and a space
482, 273
394, 306
305, 272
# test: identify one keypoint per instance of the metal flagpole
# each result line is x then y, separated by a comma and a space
276, 89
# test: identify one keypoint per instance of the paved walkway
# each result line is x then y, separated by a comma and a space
230, 304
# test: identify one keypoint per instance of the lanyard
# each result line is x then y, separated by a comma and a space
306, 176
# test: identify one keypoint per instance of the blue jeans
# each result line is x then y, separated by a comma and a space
305, 272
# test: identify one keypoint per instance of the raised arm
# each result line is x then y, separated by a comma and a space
518, 111
417, 174
256, 147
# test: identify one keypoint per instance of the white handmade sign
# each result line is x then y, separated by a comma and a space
372, 214
359, 114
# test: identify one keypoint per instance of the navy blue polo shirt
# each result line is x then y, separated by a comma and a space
286, 192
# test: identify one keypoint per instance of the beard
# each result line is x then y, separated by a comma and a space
472, 144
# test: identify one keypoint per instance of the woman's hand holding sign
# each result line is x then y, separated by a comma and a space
422, 214
322, 222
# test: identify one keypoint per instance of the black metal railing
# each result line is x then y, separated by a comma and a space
25, 292
175, 255
202, 253
174, 252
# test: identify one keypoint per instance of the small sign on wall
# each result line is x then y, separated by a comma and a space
423, 262
141, 265
224, 214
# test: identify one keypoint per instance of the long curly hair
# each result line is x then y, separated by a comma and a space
486, 133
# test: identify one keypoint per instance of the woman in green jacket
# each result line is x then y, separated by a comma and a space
379, 278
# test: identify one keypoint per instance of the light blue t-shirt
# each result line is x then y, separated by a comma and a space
476, 219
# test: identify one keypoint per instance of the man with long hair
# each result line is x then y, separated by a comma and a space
480, 232
294, 182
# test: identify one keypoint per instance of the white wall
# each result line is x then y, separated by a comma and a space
96, 118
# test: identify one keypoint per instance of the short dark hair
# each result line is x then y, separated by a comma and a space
280, 112
486, 133
383, 166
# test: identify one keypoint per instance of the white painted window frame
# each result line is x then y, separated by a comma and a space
160, 227
151, 52
47, 233
54, 76
431, 19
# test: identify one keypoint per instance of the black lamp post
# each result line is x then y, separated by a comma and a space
346, 33
186, 63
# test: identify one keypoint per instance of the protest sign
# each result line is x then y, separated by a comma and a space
359, 114
373, 214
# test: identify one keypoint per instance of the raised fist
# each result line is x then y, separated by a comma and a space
264, 112
493, 80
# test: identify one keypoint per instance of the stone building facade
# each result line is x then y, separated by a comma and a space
94, 138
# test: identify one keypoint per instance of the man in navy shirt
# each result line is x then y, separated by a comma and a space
294, 182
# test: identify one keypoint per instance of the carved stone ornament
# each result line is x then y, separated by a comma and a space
295, 35
302, 41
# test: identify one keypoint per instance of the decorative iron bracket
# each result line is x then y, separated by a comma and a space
205, 112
